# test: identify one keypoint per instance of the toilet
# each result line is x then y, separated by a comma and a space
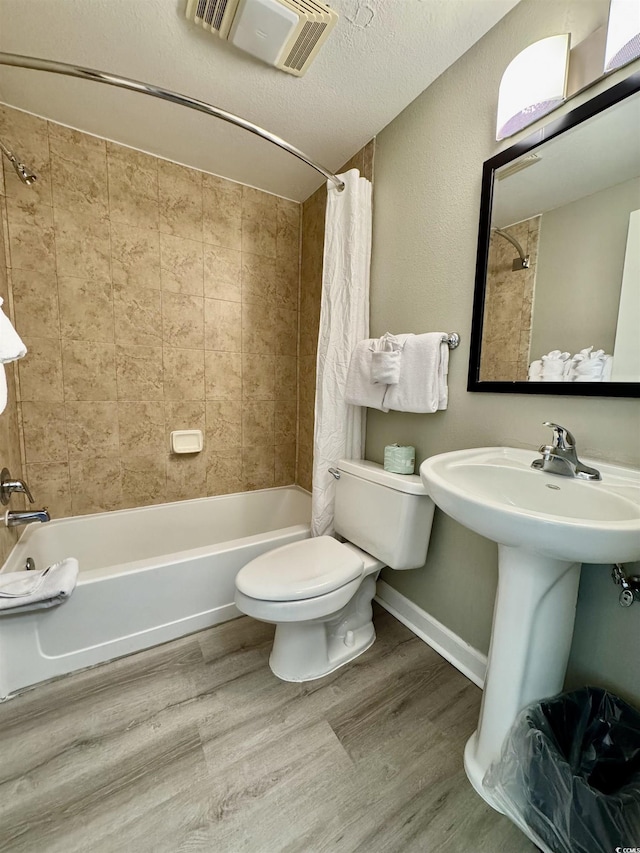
318, 591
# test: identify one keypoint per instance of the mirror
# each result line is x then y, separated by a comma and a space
557, 294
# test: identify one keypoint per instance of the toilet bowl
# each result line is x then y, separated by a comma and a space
318, 591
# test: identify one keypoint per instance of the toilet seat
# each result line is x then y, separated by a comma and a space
301, 570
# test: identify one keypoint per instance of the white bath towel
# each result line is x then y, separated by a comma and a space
359, 389
386, 359
22, 591
423, 379
535, 371
11, 348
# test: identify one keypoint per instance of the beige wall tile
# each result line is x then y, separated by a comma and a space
45, 433
40, 370
133, 186
181, 265
222, 273
258, 467
183, 374
31, 248
49, 484
144, 481
83, 246
139, 373
258, 279
92, 429
285, 422
286, 331
224, 472
141, 429
223, 425
33, 135
35, 302
89, 371
223, 375
135, 256
287, 282
29, 212
138, 316
286, 377
86, 309
96, 485
258, 377
222, 325
258, 328
222, 212
288, 230
258, 419
285, 465
180, 200
259, 222
78, 171
186, 476
182, 320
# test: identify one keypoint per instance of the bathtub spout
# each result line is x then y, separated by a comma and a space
14, 519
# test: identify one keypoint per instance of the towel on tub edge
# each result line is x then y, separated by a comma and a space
22, 591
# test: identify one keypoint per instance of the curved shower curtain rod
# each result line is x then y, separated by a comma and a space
32, 62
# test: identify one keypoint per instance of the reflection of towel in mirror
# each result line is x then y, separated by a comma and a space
22, 591
590, 366
555, 366
535, 371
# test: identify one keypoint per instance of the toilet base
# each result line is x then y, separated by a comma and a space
304, 651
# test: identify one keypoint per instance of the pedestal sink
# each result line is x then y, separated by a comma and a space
546, 526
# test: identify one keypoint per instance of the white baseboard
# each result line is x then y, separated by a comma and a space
453, 648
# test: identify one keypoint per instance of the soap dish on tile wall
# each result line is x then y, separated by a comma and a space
186, 441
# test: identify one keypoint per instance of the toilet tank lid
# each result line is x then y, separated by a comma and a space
409, 483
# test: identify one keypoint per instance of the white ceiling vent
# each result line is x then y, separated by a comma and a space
285, 33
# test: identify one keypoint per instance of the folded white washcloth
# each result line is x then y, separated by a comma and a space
423, 380
535, 371
359, 389
22, 591
555, 366
386, 359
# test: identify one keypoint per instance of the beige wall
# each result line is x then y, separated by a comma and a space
151, 297
313, 211
426, 205
581, 258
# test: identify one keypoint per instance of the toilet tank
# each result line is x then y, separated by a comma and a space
387, 515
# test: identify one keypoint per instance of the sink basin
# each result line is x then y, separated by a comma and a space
546, 526
495, 492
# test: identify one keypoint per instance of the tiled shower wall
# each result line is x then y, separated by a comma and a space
506, 337
313, 212
151, 297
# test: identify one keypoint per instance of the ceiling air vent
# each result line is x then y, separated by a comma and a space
285, 33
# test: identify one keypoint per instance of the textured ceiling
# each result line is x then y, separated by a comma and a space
380, 56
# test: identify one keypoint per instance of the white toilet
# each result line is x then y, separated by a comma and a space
318, 591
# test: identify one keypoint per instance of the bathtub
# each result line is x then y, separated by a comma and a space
147, 576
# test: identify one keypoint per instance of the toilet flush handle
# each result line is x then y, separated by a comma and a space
335, 473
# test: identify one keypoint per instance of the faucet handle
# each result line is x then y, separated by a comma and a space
562, 438
8, 485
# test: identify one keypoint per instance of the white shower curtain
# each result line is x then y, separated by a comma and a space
344, 321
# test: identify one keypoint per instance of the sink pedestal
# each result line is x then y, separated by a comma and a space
530, 643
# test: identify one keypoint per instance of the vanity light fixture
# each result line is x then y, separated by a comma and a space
533, 84
623, 34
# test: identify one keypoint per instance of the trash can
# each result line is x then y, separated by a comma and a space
570, 772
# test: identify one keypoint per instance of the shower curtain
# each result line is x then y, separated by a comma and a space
339, 430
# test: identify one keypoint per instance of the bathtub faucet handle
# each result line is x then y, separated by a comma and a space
334, 473
8, 486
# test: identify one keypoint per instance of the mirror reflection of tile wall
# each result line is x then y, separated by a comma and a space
506, 336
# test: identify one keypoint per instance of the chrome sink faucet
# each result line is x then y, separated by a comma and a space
561, 457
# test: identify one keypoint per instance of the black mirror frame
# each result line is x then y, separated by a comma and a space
608, 98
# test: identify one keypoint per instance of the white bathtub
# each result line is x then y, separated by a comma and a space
147, 575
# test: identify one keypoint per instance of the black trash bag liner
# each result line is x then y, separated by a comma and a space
570, 772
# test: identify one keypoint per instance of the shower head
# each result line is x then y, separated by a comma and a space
521, 263
23, 172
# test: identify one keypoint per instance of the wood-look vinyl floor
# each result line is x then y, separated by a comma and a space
197, 746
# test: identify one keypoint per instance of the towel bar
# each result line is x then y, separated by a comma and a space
452, 340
